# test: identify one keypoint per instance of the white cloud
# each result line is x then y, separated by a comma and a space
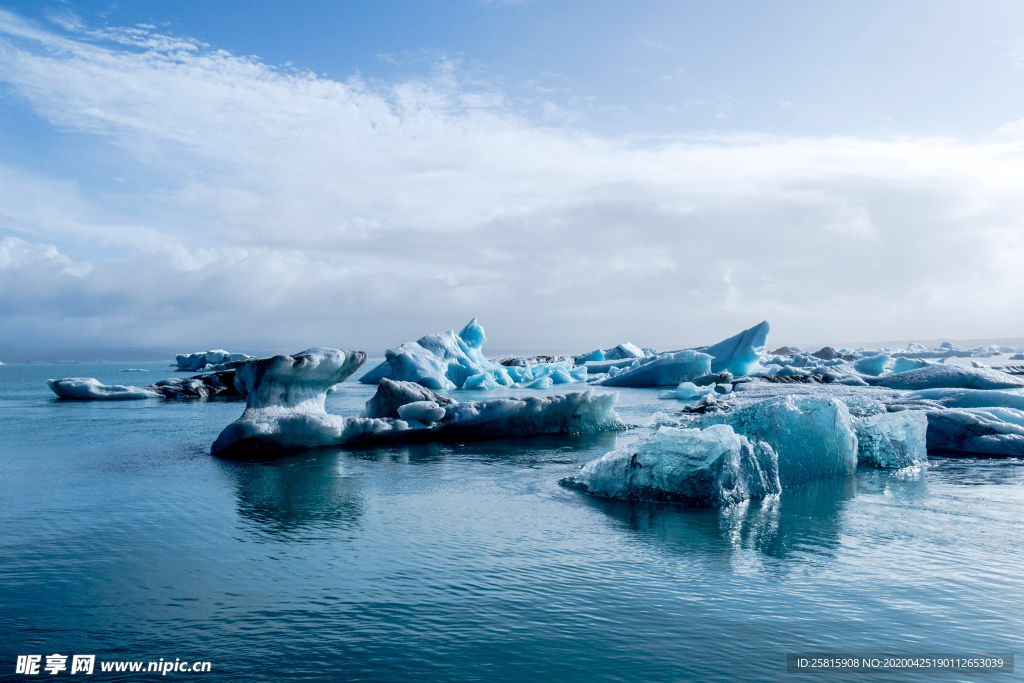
296, 210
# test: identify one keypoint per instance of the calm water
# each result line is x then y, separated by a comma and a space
121, 536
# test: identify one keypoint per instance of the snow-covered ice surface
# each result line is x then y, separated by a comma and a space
89, 389
713, 466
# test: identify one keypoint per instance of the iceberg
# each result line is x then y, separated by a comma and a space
872, 365
904, 364
90, 389
713, 466
993, 432
813, 436
893, 440
207, 360
286, 397
949, 376
739, 354
220, 384
626, 350
455, 361
668, 369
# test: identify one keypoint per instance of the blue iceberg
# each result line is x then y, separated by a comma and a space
713, 466
741, 353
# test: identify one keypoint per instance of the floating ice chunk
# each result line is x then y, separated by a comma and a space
913, 347
206, 360
813, 436
739, 354
893, 440
285, 410
978, 364
950, 376
872, 365
425, 412
391, 395
668, 369
688, 390
540, 383
713, 466
206, 385
995, 432
905, 364
90, 389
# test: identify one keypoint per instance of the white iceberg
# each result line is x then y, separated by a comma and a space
207, 360
90, 389
893, 440
286, 396
949, 376
813, 436
713, 466
741, 353
668, 369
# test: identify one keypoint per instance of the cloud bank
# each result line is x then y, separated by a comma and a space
283, 210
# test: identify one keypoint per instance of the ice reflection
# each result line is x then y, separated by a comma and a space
296, 496
807, 519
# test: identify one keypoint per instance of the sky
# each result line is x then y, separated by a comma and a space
274, 176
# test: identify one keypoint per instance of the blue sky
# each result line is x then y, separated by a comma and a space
575, 174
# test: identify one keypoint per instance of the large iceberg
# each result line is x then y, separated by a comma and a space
217, 359
741, 353
455, 361
90, 389
668, 369
286, 396
893, 440
813, 436
713, 466
949, 376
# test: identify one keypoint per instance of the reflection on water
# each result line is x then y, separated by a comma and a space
807, 519
289, 497
528, 451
